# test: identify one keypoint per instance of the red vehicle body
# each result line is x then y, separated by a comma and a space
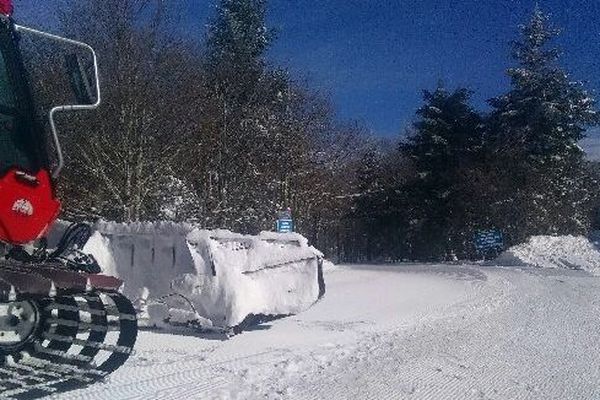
6, 7
27, 206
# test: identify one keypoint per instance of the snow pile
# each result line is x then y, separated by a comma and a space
562, 252
99, 247
226, 276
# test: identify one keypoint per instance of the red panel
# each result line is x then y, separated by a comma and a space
104, 282
6, 7
27, 207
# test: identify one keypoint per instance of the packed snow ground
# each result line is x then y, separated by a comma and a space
404, 332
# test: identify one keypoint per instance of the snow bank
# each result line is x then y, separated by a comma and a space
562, 252
228, 277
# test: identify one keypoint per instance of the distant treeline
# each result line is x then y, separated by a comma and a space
212, 133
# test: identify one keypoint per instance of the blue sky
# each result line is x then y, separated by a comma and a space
374, 57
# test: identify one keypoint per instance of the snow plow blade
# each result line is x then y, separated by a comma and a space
242, 280
228, 281
60, 329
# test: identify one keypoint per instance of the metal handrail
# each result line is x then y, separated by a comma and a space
69, 107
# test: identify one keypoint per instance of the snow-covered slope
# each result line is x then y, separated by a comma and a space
563, 252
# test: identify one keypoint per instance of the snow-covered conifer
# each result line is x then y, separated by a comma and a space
535, 129
446, 144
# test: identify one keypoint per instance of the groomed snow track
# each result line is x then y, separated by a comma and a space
414, 332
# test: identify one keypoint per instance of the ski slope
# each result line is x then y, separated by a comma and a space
405, 332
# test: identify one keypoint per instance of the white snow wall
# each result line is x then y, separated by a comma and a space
227, 276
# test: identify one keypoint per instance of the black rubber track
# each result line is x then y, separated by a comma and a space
82, 338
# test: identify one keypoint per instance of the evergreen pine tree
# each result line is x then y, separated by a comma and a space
259, 126
237, 42
368, 208
243, 95
536, 127
447, 142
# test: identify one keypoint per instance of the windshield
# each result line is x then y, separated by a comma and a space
16, 147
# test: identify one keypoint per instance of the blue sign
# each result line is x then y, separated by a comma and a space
285, 214
285, 225
489, 240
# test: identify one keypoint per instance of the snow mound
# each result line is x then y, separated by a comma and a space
558, 252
